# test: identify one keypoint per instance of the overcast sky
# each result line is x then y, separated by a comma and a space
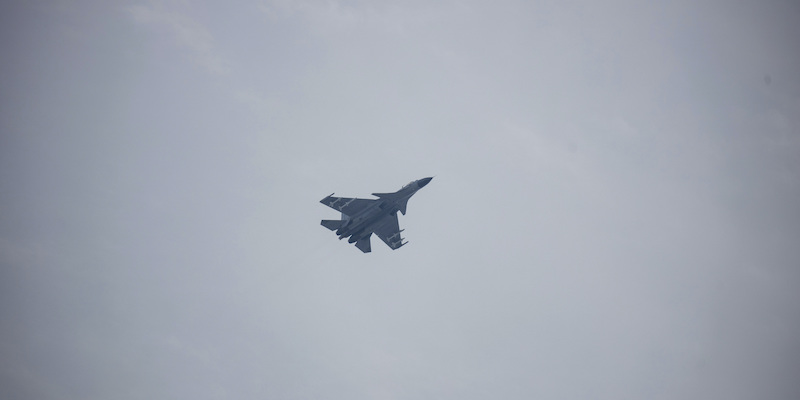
615, 213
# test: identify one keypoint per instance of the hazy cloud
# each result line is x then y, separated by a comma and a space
614, 213
185, 31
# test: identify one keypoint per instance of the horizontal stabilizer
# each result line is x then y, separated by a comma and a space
332, 224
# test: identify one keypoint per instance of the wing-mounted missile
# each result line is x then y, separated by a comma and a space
397, 235
328, 199
396, 244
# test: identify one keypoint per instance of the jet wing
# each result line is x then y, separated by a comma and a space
389, 232
347, 205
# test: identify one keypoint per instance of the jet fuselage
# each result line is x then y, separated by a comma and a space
364, 223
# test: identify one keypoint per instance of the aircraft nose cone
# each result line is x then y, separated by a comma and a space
424, 181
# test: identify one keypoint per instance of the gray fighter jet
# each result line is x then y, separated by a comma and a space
363, 217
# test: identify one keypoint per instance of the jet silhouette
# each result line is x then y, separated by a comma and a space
363, 217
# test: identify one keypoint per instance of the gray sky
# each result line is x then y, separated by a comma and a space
614, 215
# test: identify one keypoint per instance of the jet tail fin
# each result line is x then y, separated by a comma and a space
364, 245
332, 224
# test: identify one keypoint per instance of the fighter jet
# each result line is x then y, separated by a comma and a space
363, 217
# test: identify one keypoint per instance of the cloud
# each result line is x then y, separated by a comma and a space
186, 32
335, 17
